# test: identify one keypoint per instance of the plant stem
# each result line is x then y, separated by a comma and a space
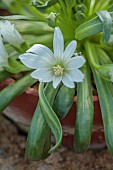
91, 55
101, 5
91, 6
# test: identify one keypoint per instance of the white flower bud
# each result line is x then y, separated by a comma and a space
3, 54
10, 34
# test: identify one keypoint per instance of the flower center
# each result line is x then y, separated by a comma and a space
58, 70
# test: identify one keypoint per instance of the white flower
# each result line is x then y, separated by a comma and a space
10, 34
59, 66
3, 54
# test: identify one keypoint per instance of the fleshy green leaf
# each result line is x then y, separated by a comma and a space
18, 17
63, 104
39, 136
105, 93
14, 90
107, 24
90, 27
85, 113
50, 117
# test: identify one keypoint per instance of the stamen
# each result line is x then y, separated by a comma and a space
58, 70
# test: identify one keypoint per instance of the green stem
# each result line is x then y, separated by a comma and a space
91, 7
101, 5
103, 56
63, 7
91, 55
37, 13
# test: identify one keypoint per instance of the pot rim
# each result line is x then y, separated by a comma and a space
33, 91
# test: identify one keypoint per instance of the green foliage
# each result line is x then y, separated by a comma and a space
51, 118
84, 114
90, 22
14, 90
39, 136
63, 104
107, 25
43, 4
104, 89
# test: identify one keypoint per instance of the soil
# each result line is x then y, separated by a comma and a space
12, 145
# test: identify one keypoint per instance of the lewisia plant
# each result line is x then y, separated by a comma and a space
67, 46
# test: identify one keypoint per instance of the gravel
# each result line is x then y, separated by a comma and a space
12, 146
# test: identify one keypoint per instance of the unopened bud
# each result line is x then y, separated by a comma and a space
80, 16
52, 19
10, 34
81, 7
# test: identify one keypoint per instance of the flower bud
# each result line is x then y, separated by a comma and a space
80, 16
10, 34
81, 7
52, 19
3, 54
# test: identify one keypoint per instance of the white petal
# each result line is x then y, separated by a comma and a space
58, 43
56, 81
42, 51
70, 49
75, 62
30, 60
67, 81
76, 75
47, 77
38, 74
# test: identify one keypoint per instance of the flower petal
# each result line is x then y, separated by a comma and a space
42, 51
38, 74
76, 75
75, 62
70, 49
30, 60
47, 77
58, 43
56, 81
67, 81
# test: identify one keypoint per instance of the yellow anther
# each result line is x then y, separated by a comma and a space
58, 70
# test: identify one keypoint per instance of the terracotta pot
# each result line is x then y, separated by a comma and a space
21, 110
4, 12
